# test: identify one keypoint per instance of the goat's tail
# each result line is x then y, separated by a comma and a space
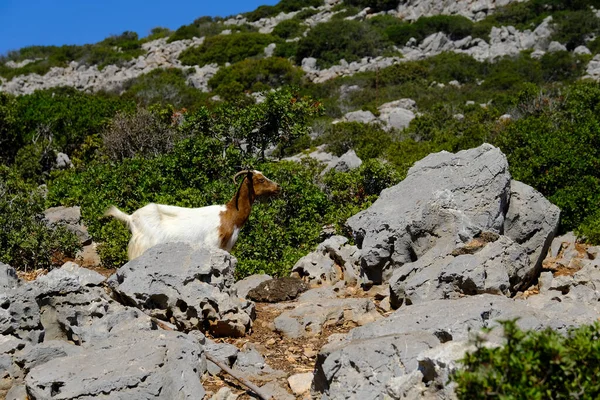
118, 214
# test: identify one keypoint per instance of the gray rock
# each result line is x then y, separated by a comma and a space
361, 369
332, 261
224, 394
20, 314
141, 366
454, 319
41, 353
8, 277
309, 64
446, 199
276, 391
347, 162
188, 287
500, 267
364, 117
245, 285
63, 161
300, 383
531, 221
308, 317
223, 352
556, 46
270, 49
70, 218
582, 50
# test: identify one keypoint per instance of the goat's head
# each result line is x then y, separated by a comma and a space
262, 185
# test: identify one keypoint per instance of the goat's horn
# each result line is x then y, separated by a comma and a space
238, 174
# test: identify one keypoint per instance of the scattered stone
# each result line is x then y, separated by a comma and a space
446, 199
70, 218
245, 285
186, 287
300, 383
333, 261
277, 290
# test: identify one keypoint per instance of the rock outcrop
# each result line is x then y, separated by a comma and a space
187, 287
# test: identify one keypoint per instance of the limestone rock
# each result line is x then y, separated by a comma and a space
445, 200
136, 366
185, 286
243, 286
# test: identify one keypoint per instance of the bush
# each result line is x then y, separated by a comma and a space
144, 133
554, 148
455, 26
572, 28
9, 138
375, 5
329, 42
206, 27
25, 240
283, 6
227, 48
66, 115
533, 365
255, 76
368, 140
562, 66
290, 28
164, 87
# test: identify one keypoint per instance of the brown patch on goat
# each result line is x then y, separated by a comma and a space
237, 210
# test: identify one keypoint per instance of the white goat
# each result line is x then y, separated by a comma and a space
216, 226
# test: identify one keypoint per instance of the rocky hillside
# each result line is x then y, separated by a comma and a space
502, 40
439, 170
462, 245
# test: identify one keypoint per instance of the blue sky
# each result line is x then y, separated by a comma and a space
57, 22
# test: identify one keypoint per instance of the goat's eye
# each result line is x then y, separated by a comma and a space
261, 180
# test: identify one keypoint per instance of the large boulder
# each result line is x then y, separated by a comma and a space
532, 221
187, 287
420, 344
497, 265
147, 365
445, 200
334, 260
70, 218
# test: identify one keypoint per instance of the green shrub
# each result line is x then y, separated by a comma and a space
201, 27
455, 26
290, 28
562, 66
25, 240
401, 73
449, 66
164, 87
329, 42
66, 114
554, 148
157, 33
375, 5
533, 365
9, 137
283, 6
594, 45
572, 28
255, 75
368, 140
143, 133
227, 48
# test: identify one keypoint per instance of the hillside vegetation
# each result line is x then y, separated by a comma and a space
156, 138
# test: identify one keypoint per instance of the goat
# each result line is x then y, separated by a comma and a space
215, 226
